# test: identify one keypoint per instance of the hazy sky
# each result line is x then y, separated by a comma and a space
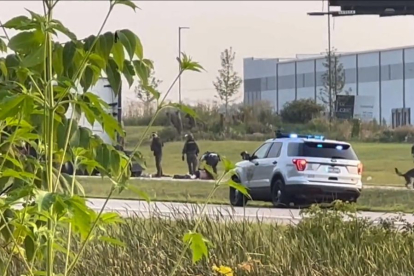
252, 28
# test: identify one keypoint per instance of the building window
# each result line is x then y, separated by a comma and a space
271, 83
409, 70
309, 80
350, 75
300, 80
368, 74
396, 71
385, 73
286, 82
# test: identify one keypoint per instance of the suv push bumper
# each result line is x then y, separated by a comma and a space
323, 192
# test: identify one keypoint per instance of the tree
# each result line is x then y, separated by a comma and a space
300, 111
144, 95
228, 82
333, 80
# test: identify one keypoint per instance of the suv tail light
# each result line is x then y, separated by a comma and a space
360, 167
300, 164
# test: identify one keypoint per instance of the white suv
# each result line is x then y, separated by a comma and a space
299, 169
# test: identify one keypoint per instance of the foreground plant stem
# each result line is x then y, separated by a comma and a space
50, 137
114, 187
198, 222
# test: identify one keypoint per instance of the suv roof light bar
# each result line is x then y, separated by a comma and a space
294, 135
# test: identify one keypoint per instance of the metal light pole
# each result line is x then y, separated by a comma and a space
179, 56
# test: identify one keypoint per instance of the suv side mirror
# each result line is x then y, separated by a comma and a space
245, 155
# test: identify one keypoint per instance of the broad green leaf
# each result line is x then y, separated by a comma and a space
95, 59
19, 23
115, 162
198, 245
29, 247
139, 193
36, 16
186, 109
58, 26
114, 77
22, 73
58, 59
128, 72
8, 216
3, 46
119, 55
128, 39
111, 218
10, 106
3, 69
82, 216
104, 45
142, 71
152, 91
35, 57
126, 3
112, 241
44, 200
25, 41
242, 189
139, 51
228, 165
84, 137
87, 79
88, 42
12, 61
69, 51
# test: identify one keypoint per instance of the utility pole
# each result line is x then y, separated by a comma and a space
179, 67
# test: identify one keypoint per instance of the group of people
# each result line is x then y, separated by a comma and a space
190, 153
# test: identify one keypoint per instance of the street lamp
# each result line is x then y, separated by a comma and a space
179, 56
329, 13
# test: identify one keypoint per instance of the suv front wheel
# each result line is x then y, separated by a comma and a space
280, 198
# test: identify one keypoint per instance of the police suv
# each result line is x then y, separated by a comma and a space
299, 169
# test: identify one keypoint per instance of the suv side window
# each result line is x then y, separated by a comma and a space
275, 150
261, 152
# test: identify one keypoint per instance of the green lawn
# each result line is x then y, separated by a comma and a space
196, 192
379, 159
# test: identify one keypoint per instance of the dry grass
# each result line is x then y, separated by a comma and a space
321, 245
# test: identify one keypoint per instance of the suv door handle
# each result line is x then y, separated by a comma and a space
256, 163
274, 162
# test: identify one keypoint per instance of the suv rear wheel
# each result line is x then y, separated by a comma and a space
280, 198
237, 198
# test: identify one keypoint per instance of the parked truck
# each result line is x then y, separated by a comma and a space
104, 90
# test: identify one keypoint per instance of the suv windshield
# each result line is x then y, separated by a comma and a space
322, 150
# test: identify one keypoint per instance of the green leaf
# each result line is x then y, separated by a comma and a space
139, 51
87, 78
128, 72
25, 41
198, 245
128, 39
29, 247
112, 241
228, 165
114, 77
142, 71
58, 59
115, 162
3, 46
119, 55
35, 57
126, 3
69, 51
139, 193
242, 189
111, 218
10, 106
186, 64
19, 23
44, 200
97, 60
3, 69
36, 16
88, 43
104, 45
186, 109
152, 91
58, 26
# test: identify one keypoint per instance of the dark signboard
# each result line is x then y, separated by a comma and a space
345, 106
382, 8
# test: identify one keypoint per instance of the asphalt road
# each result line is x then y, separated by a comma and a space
176, 210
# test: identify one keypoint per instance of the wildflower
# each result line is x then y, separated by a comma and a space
223, 270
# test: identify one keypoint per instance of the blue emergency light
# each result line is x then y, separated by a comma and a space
294, 135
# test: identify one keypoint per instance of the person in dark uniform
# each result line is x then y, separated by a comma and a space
191, 151
212, 159
156, 148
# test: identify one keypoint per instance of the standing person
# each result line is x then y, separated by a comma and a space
191, 150
156, 148
212, 159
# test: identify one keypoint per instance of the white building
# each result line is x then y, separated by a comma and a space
387, 76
